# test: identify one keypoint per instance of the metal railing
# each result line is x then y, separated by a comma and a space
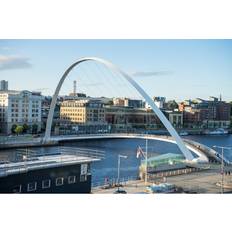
113, 182
27, 159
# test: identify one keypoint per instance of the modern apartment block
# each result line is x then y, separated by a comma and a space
127, 102
20, 108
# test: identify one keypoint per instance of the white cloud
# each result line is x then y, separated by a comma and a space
150, 74
13, 62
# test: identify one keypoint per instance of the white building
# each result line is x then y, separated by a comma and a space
159, 101
19, 108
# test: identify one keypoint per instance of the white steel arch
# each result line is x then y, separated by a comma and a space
188, 155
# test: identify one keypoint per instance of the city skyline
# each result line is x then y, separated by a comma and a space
194, 68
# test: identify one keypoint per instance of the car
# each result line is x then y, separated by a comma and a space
120, 191
36, 136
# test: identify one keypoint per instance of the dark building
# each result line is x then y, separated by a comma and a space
64, 171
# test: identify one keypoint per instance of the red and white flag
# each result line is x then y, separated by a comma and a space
140, 152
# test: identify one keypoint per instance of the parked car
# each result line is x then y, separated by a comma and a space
120, 191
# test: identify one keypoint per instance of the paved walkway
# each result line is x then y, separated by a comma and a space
195, 182
135, 186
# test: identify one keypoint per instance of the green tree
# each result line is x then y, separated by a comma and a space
25, 128
34, 128
171, 105
13, 128
19, 130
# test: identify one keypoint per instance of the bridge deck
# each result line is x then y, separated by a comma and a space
202, 151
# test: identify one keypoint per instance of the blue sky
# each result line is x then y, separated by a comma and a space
177, 69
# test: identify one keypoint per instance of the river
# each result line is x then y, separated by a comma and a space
107, 167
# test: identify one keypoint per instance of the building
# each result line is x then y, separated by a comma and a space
82, 116
75, 94
164, 162
175, 118
135, 103
3, 85
20, 108
159, 101
213, 113
127, 102
127, 118
45, 107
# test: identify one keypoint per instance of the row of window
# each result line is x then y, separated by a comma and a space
72, 118
46, 184
72, 114
72, 110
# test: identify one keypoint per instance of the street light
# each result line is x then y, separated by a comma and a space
222, 164
119, 157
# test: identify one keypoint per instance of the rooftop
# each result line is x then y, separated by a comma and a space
27, 160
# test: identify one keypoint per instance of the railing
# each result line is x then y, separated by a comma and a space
62, 150
94, 153
20, 139
27, 159
113, 182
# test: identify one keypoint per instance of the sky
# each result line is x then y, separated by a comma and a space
176, 69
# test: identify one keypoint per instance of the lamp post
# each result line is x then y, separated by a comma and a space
119, 157
146, 163
222, 164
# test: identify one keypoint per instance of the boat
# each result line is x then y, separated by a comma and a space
219, 131
66, 170
183, 133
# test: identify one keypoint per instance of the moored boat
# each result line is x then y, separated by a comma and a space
219, 131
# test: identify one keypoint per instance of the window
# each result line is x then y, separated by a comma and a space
84, 169
31, 186
59, 181
17, 189
46, 184
71, 179
83, 178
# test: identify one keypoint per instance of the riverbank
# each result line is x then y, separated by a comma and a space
207, 181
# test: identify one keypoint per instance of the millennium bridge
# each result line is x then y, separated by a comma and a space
203, 153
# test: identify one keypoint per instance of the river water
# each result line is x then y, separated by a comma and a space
107, 167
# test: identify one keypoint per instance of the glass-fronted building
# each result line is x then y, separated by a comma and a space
164, 162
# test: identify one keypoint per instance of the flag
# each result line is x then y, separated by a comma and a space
140, 152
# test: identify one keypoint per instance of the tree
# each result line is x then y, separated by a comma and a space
13, 128
171, 105
34, 128
19, 130
25, 128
